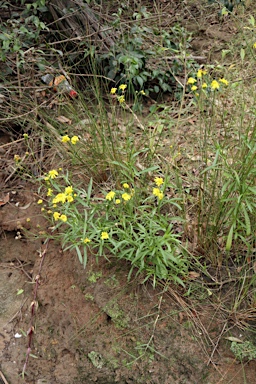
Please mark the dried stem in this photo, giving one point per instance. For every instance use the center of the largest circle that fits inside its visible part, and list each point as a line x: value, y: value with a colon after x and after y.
x: 33, y: 307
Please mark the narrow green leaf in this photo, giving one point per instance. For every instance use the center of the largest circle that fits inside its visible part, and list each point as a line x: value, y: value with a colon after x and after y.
x: 230, y: 238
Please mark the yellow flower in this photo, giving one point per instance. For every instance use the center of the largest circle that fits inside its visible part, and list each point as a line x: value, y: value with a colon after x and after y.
x: 69, y: 190
x: 104, y: 236
x: 126, y: 186
x: 65, y: 139
x: 28, y: 220
x: 142, y: 93
x: 56, y: 216
x: 200, y: 73
x: 113, y: 91
x: 110, y: 196
x: 215, y: 85
x: 122, y: 87
x: 121, y: 99
x: 126, y: 196
x: 74, y: 139
x: 52, y: 174
x: 193, y: 88
x: 63, y: 218
x: 25, y: 135
x: 86, y: 240
x: 46, y: 178
x: 49, y: 212
x: 160, y: 196
x: 223, y: 81
x: 204, y: 85
x: 69, y: 198
x: 59, y: 198
x: 191, y: 80
x: 42, y: 209
x: 118, y: 201
x: 159, y: 181
x: 49, y: 192
x: 40, y: 201
x: 158, y: 193
x: 254, y: 45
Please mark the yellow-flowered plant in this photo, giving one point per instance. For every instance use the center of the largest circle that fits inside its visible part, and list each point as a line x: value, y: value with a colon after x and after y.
x: 122, y: 87
x: 121, y: 99
x: 52, y: 174
x: 215, y: 85
x: 110, y: 195
x: 191, y: 80
x: 65, y: 139
x: 74, y: 140
x: 126, y: 223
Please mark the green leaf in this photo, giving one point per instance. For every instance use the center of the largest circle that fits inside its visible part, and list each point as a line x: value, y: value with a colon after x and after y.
x: 230, y: 238
x: 242, y: 54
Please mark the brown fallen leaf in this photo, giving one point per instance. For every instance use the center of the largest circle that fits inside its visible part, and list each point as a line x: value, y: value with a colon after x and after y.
x: 5, y: 200
x: 193, y: 275
x: 63, y: 119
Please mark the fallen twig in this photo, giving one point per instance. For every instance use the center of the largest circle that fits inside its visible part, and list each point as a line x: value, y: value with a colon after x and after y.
x: 3, y: 378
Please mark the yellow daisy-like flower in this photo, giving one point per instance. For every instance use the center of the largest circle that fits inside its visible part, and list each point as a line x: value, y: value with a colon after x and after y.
x: 69, y: 190
x: 126, y: 196
x: 86, y: 240
x: 56, y: 216
x: 40, y: 201
x: 113, y: 91
x: 160, y: 196
x: 74, y: 140
x: 69, y: 198
x: 28, y: 220
x: 65, y: 139
x: 110, y: 196
x: 118, y: 201
x: 126, y: 186
x: 159, y: 181
x: 49, y: 212
x: 104, y: 236
x: 63, y: 218
x: 60, y: 198
x: 49, y: 192
x: 42, y: 209
x: 193, y: 88
x: 158, y: 193
x: 143, y: 93
x: 122, y: 87
x: 52, y: 174
x: 121, y: 99
x: 204, y: 85
x: 200, y: 73
x: 191, y: 80
x: 223, y: 81
x: 25, y: 135
x: 254, y: 46
x: 215, y: 85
